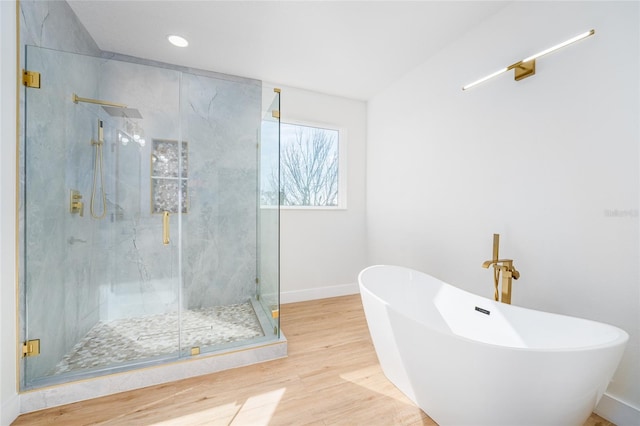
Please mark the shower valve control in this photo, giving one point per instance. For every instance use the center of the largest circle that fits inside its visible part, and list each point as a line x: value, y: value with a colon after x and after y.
x: 75, y: 205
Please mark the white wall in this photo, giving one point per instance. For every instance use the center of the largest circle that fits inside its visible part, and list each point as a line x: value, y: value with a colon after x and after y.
x: 9, y: 402
x: 322, y: 251
x: 550, y: 163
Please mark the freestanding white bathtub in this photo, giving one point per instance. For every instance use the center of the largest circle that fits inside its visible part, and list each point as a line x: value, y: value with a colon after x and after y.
x: 467, y: 360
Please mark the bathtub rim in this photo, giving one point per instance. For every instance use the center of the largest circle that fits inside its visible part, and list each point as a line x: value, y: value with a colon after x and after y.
x: 620, y: 340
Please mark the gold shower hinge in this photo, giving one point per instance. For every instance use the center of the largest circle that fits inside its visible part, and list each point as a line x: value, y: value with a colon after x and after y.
x: 275, y: 114
x: 31, y: 79
x: 31, y: 348
x: 195, y: 351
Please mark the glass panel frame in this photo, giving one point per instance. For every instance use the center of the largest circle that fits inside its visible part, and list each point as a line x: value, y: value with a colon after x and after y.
x: 268, y: 285
x: 83, y: 271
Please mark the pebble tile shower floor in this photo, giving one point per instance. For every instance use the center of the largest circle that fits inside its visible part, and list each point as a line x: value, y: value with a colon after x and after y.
x: 130, y: 339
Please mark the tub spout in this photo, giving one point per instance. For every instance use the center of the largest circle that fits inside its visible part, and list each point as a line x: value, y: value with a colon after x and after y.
x: 504, y: 265
x: 488, y: 263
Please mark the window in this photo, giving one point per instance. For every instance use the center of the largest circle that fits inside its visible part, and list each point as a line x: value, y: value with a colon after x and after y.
x: 311, y: 173
x: 312, y: 161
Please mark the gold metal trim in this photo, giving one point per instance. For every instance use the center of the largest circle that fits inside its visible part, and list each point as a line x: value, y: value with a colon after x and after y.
x: 17, y: 200
x: 504, y: 266
x: 523, y: 70
x: 31, y: 348
x: 165, y: 228
x: 275, y: 114
x: 31, y: 79
x: 496, y: 246
x: 75, y: 205
x: 195, y: 351
x: 75, y: 98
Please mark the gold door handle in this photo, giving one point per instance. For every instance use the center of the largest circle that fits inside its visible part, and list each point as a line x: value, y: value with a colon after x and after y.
x: 165, y: 228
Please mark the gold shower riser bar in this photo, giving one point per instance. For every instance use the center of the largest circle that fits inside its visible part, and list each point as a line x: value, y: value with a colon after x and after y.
x: 77, y: 99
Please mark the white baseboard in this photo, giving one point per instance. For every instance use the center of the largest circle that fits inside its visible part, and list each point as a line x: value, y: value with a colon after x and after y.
x: 318, y: 293
x: 9, y: 410
x: 617, y: 411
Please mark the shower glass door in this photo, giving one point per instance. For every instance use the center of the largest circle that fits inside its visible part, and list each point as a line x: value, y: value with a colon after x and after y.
x: 100, y: 286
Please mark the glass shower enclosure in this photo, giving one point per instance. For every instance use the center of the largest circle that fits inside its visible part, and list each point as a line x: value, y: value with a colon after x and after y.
x: 143, y: 234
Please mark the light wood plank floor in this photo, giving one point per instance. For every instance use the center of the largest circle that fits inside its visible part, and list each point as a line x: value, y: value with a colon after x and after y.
x: 331, y: 377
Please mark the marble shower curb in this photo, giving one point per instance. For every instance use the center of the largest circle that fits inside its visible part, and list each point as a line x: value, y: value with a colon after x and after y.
x: 121, y: 382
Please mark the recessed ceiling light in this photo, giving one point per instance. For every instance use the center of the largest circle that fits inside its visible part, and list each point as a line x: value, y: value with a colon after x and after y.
x: 176, y: 40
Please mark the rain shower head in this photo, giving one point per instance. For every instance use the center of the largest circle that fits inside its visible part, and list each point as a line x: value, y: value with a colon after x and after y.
x: 122, y: 112
x: 129, y: 130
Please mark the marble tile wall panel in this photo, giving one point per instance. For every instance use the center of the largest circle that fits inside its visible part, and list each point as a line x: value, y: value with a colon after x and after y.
x: 220, y: 120
x: 54, y: 25
x: 146, y: 271
x: 82, y: 233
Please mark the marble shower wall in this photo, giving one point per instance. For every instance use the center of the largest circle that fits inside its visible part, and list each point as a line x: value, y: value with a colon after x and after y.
x: 145, y: 272
x: 218, y: 121
x: 221, y: 120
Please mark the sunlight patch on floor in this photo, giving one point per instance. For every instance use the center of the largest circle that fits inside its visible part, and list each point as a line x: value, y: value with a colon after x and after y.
x: 373, y: 379
x: 220, y: 415
x: 257, y: 410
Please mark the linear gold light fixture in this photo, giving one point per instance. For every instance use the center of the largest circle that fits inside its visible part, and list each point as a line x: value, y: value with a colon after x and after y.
x: 527, y: 67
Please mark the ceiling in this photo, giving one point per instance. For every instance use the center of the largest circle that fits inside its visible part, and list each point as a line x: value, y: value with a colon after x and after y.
x: 346, y: 48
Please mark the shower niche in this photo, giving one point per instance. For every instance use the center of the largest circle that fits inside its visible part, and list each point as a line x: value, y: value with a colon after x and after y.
x: 171, y: 252
x: 169, y: 176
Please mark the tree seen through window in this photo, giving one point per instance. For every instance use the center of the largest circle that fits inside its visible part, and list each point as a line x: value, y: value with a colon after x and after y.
x: 308, y: 166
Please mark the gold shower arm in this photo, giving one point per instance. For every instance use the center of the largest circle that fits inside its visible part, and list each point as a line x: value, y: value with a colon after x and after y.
x: 165, y: 228
x: 77, y: 99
